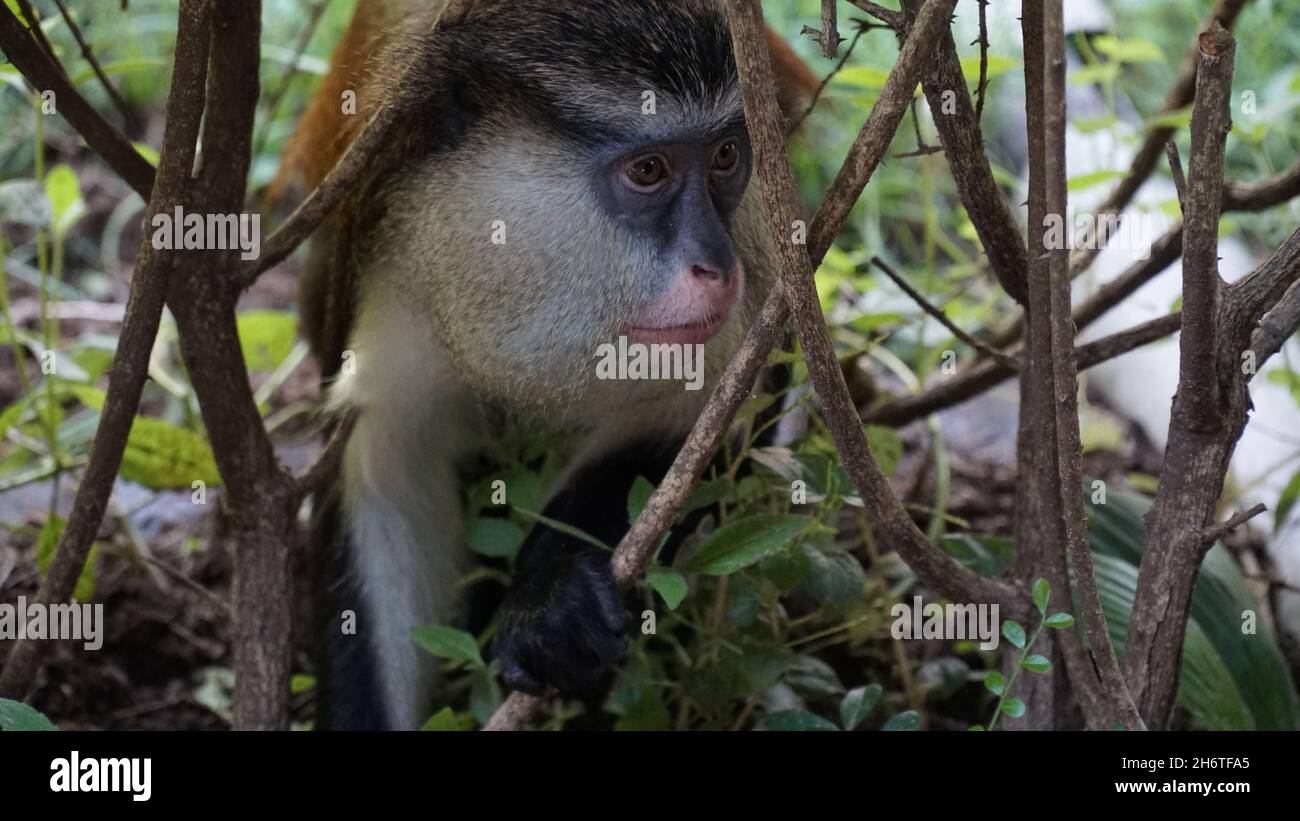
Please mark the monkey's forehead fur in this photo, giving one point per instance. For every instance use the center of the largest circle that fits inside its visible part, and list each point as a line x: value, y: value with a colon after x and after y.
x: 588, y: 68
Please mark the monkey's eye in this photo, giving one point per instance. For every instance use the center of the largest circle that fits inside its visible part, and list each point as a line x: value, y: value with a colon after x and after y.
x: 726, y: 158
x: 646, y: 173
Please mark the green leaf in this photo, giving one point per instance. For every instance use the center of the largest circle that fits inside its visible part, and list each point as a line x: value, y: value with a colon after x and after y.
x: 994, y: 682
x: 66, y: 204
x: 446, y: 720
x: 448, y: 643
x: 1128, y: 50
x: 1013, y: 707
x: 907, y: 720
x: 266, y: 338
x: 637, y: 498
x: 742, y: 542
x: 299, y: 684
x: 1284, y: 502
x: 797, y: 721
x: 1085, y: 181
x: 1231, y: 679
x: 976, y: 728
x: 886, y: 446
x: 1059, y: 621
x: 858, y: 704
x: 494, y: 537
x: 13, y: 6
x: 160, y: 455
x: 1042, y: 592
x: 1014, y: 633
x: 1036, y: 664
x: 16, y: 716
x: 669, y: 584
x: 10, y: 416
x: 46, y: 545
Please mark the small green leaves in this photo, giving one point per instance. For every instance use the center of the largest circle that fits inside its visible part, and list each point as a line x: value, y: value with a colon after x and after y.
x: 738, y: 544
x: 669, y: 584
x: 1059, y: 621
x: 1042, y: 592
x: 1014, y: 633
x: 14, y: 715
x: 1036, y: 664
x: 797, y: 720
x: 491, y: 536
x: 858, y: 704
x: 1014, y: 707
x: 994, y: 682
x: 448, y: 643
x: 907, y: 720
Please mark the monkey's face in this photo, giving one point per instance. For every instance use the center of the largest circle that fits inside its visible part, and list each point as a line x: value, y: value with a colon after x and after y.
x: 586, y: 179
x: 528, y: 256
x: 680, y: 198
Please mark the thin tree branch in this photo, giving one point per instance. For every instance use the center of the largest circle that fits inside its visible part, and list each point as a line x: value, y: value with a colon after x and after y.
x: 938, y: 314
x: 1218, y: 532
x: 956, y: 120
x: 1179, y: 96
x: 326, y: 465
x: 1176, y: 171
x: 153, y: 271
x: 863, y: 28
x: 45, y: 74
x: 89, y: 54
x: 985, y: 375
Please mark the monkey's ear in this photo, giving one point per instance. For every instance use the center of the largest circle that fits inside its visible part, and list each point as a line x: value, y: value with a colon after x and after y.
x: 795, y: 82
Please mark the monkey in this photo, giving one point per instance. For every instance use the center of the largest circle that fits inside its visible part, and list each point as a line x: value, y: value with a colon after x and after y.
x: 562, y: 175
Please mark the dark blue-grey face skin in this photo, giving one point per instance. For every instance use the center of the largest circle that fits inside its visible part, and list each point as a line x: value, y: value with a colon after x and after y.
x: 679, y: 195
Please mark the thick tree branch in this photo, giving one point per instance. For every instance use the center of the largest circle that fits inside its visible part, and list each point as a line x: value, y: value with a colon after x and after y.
x: 1209, y: 409
x: 1041, y: 529
x: 1065, y: 379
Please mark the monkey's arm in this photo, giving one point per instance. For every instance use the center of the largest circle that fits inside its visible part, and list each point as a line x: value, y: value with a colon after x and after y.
x: 563, y: 623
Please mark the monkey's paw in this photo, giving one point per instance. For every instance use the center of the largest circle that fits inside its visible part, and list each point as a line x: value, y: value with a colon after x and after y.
x: 563, y: 625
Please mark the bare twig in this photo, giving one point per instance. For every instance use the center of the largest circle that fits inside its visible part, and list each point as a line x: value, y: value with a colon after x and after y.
x: 829, y: 36
x: 988, y: 374
x: 1180, y: 95
x: 959, y: 131
x: 326, y: 465
x: 863, y: 28
x: 1176, y: 171
x: 1240, y: 518
x: 45, y: 74
x: 153, y: 271
x: 286, y: 79
x: 894, y: 19
x: 982, y: 89
x: 937, y: 313
x: 89, y: 54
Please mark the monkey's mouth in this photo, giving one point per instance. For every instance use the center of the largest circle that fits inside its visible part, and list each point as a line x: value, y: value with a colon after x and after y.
x: 693, y: 333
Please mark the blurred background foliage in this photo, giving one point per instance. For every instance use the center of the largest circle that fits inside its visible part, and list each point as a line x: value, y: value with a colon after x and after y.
x: 777, y: 611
